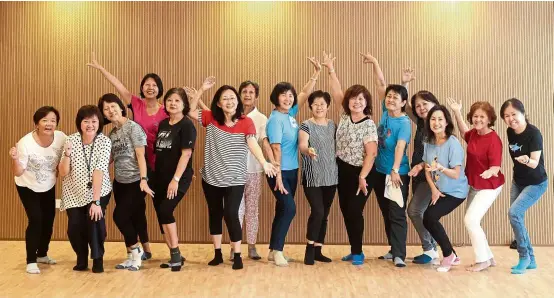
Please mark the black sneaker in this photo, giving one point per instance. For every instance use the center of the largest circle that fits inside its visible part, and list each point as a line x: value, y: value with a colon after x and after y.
x: 513, y: 245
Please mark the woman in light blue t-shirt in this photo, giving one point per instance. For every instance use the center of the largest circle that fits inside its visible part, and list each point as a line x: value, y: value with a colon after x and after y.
x: 443, y: 159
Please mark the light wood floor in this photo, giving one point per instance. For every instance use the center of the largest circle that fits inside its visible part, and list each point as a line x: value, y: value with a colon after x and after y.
x: 263, y: 279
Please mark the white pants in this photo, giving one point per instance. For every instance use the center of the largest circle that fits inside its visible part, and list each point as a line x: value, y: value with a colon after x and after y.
x: 479, y: 201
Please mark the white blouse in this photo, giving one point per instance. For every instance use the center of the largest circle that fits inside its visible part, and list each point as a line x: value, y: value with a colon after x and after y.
x: 40, y: 163
x: 75, y: 192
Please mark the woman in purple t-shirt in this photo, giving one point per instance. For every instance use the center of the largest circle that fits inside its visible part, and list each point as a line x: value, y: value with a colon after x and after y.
x: 148, y: 113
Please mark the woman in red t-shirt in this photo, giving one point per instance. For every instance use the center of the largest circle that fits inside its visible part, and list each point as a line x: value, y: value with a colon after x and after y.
x: 484, y: 158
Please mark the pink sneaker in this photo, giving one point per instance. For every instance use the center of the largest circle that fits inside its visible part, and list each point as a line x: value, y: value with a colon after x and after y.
x: 447, y: 262
x: 457, y: 261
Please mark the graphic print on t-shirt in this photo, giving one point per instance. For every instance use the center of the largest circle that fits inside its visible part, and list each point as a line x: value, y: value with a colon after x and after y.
x: 119, y: 146
x: 164, y: 140
x: 515, y: 147
x: 383, y: 133
x: 41, y: 165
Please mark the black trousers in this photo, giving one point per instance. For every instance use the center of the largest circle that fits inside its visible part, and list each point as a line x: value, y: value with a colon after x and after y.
x: 129, y: 213
x: 40, y: 208
x: 320, y: 200
x: 84, y: 232
x: 431, y: 221
x: 224, y: 203
x: 396, y: 224
x: 163, y: 206
x: 352, y: 205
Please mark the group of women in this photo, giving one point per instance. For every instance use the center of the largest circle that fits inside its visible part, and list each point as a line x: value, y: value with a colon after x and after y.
x: 152, y: 154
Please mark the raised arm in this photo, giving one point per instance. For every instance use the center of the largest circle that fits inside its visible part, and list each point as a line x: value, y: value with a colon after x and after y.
x: 194, y: 97
x: 334, y: 84
x: 380, y: 82
x: 408, y: 76
x: 309, y: 86
x: 121, y: 89
x: 457, y: 110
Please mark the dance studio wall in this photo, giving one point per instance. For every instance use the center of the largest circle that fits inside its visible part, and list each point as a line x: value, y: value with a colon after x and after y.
x: 469, y: 51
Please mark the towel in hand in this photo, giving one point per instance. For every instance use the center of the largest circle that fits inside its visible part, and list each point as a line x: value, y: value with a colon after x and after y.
x: 393, y: 193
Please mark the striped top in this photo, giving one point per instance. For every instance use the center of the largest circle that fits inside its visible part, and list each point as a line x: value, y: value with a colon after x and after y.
x: 225, y: 150
x: 321, y: 171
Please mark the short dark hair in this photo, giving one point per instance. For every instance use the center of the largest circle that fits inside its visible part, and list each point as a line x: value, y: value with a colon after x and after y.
x: 158, y: 81
x: 217, y: 112
x: 354, y: 91
x: 89, y: 111
x: 319, y: 94
x: 281, y: 88
x: 254, y: 84
x: 426, y: 96
x: 183, y: 94
x: 516, y: 104
x: 430, y: 135
x: 399, y: 89
x: 43, y: 112
x: 486, y: 107
x: 110, y: 98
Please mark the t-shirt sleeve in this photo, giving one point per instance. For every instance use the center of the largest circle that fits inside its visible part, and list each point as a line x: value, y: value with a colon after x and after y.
x: 425, y: 153
x: 137, y: 104
x: 205, y: 117
x: 262, y: 132
x: 103, y: 155
x: 274, y: 131
x: 188, y: 135
x: 536, y: 141
x: 249, y: 128
x: 305, y: 128
x: 405, y: 132
x: 495, y: 152
x: 370, y: 132
x: 138, y: 136
x: 293, y: 111
x: 455, y: 154
x: 383, y: 106
x: 468, y: 134
x: 23, y: 154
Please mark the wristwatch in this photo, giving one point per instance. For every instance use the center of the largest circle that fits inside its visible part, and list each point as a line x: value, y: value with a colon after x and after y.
x: 397, y: 171
x: 176, y: 179
x: 144, y: 178
x: 97, y: 202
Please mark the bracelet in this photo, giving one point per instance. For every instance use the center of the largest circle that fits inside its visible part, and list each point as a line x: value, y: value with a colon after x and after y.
x: 528, y: 160
x: 331, y: 70
x: 176, y: 179
x: 313, y: 79
x: 362, y: 177
x: 67, y: 155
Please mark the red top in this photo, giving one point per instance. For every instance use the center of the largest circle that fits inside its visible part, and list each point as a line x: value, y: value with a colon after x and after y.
x: 150, y: 125
x: 483, y: 152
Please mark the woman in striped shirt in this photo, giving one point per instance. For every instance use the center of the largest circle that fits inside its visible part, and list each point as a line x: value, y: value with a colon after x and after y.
x: 229, y: 136
x: 316, y: 141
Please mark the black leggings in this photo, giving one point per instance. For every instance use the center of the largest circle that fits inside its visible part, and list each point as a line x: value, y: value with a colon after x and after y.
x: 352, y: 204
x: 41, y: 210
x: 224, y: 202
x: 83, y: 232
x: 320, y: 200
x: 431, y: 221
x: 129, y: 213
x: 164, y: 207
x: 396, y: 224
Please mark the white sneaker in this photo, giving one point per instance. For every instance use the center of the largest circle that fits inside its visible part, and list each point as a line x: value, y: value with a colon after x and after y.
x: 136, y: 258
x: 127, y: 263
x: 280, y: 259
x: 32, y: 268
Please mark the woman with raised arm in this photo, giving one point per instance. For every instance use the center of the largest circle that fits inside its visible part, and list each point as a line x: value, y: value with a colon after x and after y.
x: 316, y: 142
x: 484, y: 159
x: 229, y: 136
x: 282, y: 133
x: 392, y: 166
x: 421, y: 103
x: 174, y: 147
x: 530, y: 179
x: 86, y: 188
x: 443, y: 159
x: 35, y: 160
x: 130, y: 182
x: 148, y: 113
x: 356, y: 149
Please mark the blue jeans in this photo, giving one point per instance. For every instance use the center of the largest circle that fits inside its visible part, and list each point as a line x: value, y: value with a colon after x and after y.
x: 521, y: 199
x: 285, y: 208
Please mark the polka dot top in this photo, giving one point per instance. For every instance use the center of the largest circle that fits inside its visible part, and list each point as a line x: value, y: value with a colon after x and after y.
x: 75, y: 192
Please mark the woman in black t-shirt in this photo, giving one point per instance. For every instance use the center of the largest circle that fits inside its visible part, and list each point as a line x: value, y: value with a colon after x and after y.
x: 530, y: 179
x: 173, y: 148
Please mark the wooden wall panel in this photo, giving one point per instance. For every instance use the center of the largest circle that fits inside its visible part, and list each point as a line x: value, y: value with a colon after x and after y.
x: 470, y: 51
